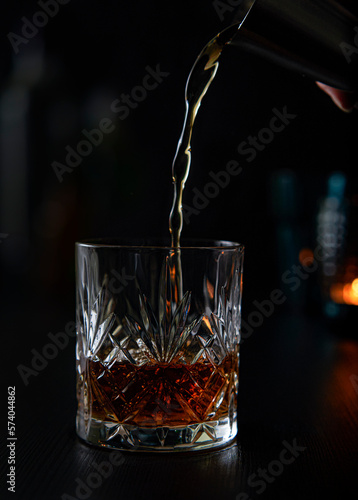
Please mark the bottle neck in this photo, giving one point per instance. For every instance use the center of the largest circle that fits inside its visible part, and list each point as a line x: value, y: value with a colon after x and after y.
x: 317, y: 38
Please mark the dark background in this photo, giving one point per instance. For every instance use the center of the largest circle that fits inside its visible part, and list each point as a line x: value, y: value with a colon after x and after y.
x: 64, y: 80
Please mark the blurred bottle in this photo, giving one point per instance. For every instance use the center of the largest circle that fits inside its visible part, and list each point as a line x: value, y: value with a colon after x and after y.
x: 286, y: 208
x: 337, y: 241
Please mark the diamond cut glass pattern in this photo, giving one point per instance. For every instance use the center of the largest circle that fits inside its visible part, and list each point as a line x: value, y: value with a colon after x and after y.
x: 157, y: 358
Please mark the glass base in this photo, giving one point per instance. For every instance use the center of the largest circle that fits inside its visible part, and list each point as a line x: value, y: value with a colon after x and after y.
x: 199, y: 436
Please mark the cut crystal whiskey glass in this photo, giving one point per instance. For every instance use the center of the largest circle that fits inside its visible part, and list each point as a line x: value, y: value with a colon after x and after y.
x: 158, y: 331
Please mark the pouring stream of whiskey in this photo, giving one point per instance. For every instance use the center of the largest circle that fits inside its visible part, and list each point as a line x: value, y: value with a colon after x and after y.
x: 199, y: 80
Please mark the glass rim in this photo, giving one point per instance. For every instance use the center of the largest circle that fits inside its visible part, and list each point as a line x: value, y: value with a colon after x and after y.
x: 153, y: 244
